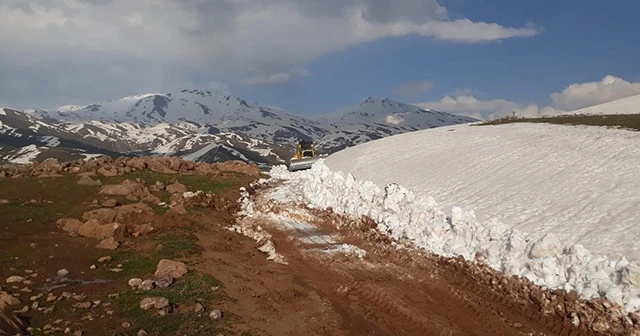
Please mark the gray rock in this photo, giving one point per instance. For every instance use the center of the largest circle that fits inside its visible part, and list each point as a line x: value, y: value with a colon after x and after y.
x: 215, y: 314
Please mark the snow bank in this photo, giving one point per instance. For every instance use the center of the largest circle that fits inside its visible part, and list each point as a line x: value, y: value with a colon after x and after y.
x: 405, y: 216
x: 579, y: 182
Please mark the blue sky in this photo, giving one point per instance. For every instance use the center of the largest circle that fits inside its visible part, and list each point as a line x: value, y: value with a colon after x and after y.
x: 581, y: 41
x: 482, y: 58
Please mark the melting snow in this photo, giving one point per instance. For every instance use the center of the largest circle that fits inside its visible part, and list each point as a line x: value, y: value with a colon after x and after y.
x: 24, y: 155
x: 50, y: 141
x: 403, y: 215
x: 581, y: 183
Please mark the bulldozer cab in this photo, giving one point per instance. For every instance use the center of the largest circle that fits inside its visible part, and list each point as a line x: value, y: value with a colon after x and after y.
x: 305, y: 149
x: 304, y: 157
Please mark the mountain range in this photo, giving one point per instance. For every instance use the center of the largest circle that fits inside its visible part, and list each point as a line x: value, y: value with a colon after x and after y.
x: 200, y: 126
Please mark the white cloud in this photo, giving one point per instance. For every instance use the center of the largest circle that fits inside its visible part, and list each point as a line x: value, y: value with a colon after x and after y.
x: 574, y: 96
x: 610, y: 88
x: 160, y: 42
x: 485, y: 109
x: 413, y: 88
x: 394, y: 119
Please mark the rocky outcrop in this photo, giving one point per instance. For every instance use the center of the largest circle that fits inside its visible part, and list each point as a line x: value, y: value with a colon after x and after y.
x: 106, y: 166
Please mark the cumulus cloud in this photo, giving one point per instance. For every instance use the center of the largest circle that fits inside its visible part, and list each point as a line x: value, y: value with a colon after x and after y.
x: 576, y: 96
x: 573, y: 97
x: 486, y: 109
x: 84, y: 48
x: 413, y: 88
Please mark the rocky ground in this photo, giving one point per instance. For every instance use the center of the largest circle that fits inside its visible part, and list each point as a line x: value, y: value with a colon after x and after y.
x: 161, y: 246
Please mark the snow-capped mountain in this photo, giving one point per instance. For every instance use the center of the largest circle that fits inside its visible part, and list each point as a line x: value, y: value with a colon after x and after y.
x: 201, y: 125
x: 377, y: 118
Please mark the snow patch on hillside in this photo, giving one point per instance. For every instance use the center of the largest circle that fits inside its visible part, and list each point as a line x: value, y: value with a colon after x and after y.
x: 24, y: 155
x: 50, y: 141
x: 629, y: 105
x: 405, y: 216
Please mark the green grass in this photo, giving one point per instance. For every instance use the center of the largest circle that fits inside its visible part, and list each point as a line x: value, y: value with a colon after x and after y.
x: 178, y: 245
x: 625, y: 121
x: 186, y: 291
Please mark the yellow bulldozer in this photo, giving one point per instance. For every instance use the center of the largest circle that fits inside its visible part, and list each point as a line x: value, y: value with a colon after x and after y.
x: 304, y: 157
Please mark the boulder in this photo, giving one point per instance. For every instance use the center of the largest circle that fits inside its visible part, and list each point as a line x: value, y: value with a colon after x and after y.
x: 173, y: 268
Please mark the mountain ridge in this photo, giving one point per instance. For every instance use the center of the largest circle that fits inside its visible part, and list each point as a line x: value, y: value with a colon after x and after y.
x: 190, y: 121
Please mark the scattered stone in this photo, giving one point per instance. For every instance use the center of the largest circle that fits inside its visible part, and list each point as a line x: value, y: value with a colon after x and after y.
x: 157, y: 186
x: 178, y: 209
x: 173, y: 268
x: 141, y: 230
x: 105, y: 259
x: 176, y: 187
x: 77, y: 297
x: 7, y: 299
x: 135, y: 282
x: 108, y: 171
x: 156, y: 302
x: 93, y: 267
x: 4, y: 201
x: 127, y: 187
x: 15, y: 279
x: 63, y: 273
x: 147, y: 285
x: 83, y: 305
x: 78, y: 333
x: 51, y: 297
x: 28, y: 271
x: 198, y: 308
x: 116, y: 270
x: 67, y: 330
x: 109, y: 203
x: 26, y: 290
x: 164, y: 281
x: 125, y: 325
x: 108, y: 244
x: 28, y: 282
x: 215, y: 314
x: 142, y: 333
x: 86, y: 180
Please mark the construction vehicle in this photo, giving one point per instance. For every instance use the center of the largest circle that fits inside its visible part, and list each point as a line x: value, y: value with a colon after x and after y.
x: 304, y: 157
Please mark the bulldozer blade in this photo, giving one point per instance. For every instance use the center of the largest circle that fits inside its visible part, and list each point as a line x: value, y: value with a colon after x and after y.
x: 302, y: 164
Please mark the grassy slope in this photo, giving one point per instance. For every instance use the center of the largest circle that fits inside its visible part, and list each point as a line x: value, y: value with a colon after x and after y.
x: 29, y: 239
x: 626, y: 121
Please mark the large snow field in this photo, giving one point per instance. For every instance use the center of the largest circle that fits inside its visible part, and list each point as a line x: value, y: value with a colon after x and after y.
x: 580, y: 182
x: 628, y: 105
x: 551, y: 186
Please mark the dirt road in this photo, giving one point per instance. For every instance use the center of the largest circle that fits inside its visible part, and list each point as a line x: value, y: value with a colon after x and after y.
x: 328, y: 275
x: 351, y: 281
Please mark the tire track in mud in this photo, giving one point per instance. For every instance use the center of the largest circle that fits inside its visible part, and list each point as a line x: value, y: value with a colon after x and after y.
x: 386, y: 302
x: 405, y: 292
